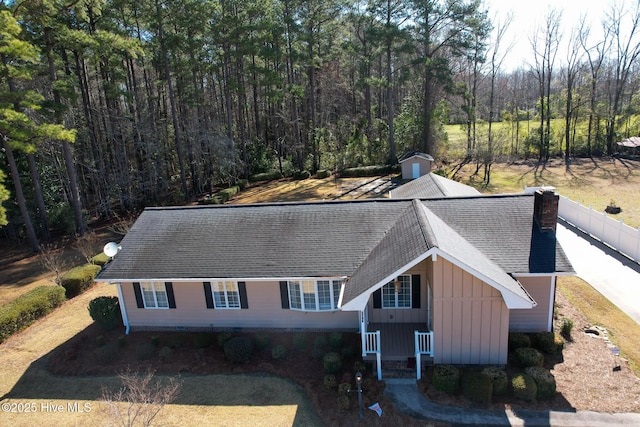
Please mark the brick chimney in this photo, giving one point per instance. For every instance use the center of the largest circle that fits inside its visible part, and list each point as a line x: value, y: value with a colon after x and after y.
x: 545, y: 208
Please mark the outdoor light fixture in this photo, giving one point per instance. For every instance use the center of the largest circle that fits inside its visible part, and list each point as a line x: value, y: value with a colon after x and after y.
x: 396, y: 285
x: 359, y: 383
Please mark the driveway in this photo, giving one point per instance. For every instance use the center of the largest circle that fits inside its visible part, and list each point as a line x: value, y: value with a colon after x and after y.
x: 613, y: 275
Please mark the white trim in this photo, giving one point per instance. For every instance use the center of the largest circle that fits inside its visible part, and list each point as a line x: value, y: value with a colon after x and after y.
x: 123, y: 309
x: 226, y: 294
x: 155, y: 295
x: 552, y: 300
x: 543, y: 274
x: 335, y: 304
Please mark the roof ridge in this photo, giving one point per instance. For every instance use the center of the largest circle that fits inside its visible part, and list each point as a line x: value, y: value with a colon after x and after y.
x: 436, y: 180
x: 425, y: 227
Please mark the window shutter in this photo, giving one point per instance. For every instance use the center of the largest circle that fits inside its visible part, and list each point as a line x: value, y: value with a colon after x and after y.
x: 242, y: 290
x: 415, y: 291
x: 284, y: 294
x: 170, y: 297
x: 138, y: 292
x: 377, y: 298
x: 208, y: 296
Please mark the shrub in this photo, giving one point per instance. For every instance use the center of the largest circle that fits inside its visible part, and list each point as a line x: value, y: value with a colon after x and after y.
x: 223, y: 337
x: 299, y: 341
x: 528, y: 356
x: 348, y: 352
x: 238, y: 349
x: 365, y: 171
x: 545, y: 382
x: 267, y: 176
x: 106, y: 354
x: 524, y: 387
x: 78, y: 279
x: 344, y: 388
x: 279, y: 352
x: 330, y: 381
x: 242, y: 183
x: 323, y: 173
x: 145, y: 351
x: 165, y: 354
x: 27, y: 308
x: 263, y: 340
x: 498, y: 378
x: 549, y: 342
x: 300, y: 175
x: 566, y: 328
x: 446, y: 378
x: 100, y: 259
x: 105, y: 311
x: 335, y: 340
x: 175, y: 341
x: 343, y: 402
x: 203, y: 340
x: 518, y: 340
x: 317, y: 353
x: 100, y: 341
x: 155, y: 341
x: 320, y: 341
x: 477, y: 387
x: 228, y: 193
x: 332, y: 363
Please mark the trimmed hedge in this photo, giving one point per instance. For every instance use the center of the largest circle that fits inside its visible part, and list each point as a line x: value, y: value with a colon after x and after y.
x: 545, y: 382
x: 323, y: 173
x: 365, y: 171
x: 446, y: 378
x: 528, y: 356
x: 549, y: 342
x: 267, y: 176
x: 105, y: 311
x: 100, y: 259
x: 524, y: 387
x: 78, y: 279
x: 228, y: 193
x: 300, y: 175
x: 477, y: 386
x: 29, y: 307
x: 498, y: 378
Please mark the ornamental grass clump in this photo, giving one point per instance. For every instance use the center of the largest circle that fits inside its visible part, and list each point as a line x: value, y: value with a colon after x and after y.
x: 446, y: 378
x: 524, y: 387
x: 529, y: 357
x: 545, y: 382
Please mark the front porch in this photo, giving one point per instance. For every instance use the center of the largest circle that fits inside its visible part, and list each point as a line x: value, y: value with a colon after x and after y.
x: 407, y: 344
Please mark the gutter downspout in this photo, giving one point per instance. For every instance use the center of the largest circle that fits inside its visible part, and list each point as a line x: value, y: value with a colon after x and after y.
x: 123, y: 309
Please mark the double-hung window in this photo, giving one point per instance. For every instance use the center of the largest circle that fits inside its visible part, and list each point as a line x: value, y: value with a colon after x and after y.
x: 314, y: 295
x: 154, y: 295
x: 401, y: 298
x: 225, y: 294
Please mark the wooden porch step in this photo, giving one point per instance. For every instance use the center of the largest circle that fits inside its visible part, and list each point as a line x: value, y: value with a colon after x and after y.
x: 402, y: 368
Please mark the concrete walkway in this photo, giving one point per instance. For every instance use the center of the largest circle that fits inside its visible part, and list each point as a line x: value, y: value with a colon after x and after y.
x: 406, y: 398
x: 613, y: 275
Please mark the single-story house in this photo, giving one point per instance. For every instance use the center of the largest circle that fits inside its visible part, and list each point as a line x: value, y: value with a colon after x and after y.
x: 415, y: 164
x: 448, y: 278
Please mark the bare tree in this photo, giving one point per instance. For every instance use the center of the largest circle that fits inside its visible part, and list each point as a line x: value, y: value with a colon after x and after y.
x: 51, y: 259
x: 545, y: 44
x: 140, y: 398
x: 86, y: 245
x: 571, y: 71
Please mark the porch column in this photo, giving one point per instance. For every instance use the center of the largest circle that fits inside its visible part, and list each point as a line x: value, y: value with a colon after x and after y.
x: 363, y: 331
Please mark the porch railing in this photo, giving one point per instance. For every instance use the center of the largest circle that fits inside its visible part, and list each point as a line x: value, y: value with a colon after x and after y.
x: 424, y: 345
x: 372, y: 345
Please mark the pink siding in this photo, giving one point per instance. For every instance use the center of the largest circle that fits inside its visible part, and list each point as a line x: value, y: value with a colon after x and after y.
x: 538, y: 318
x: 470, y: 319
x: 265, y: 311
x: 404, y: 315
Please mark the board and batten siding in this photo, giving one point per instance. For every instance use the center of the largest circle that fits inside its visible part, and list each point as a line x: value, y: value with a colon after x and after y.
x: 538, y: 318
x: 470, y: 318
x: 264, y: 311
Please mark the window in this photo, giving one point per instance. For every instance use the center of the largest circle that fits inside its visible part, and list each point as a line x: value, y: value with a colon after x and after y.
x: 314, y: 295
x: 400, y: 299
x: 154, y: 295
x: 225, y: 294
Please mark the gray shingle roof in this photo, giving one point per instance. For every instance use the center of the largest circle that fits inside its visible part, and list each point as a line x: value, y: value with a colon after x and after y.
x: 365, y: 240
x: 412, y: 154
x: 431, y: 186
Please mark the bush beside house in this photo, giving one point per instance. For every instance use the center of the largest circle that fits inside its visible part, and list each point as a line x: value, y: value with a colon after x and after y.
x: 78, y: 279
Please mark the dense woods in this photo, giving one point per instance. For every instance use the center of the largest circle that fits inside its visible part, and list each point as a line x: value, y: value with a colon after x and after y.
x: 107, y: 106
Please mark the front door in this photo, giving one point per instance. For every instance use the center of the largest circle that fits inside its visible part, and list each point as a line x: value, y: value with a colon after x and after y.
x: 415, y: 170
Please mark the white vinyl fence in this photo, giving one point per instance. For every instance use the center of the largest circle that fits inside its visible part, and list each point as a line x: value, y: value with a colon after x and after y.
x: 614, y: 233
